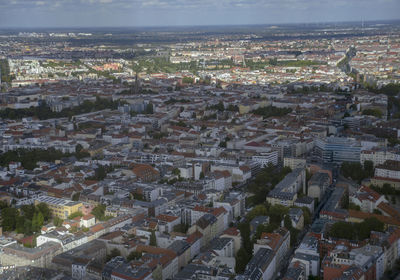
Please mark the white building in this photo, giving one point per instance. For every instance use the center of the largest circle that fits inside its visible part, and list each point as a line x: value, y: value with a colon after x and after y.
x: 378, y: 156
x: 308, y: 254
x: 264, y: 159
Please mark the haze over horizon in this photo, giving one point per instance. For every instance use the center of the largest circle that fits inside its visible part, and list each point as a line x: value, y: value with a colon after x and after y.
x: 139, y: 13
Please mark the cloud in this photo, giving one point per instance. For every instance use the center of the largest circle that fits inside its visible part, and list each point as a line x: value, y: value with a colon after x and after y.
x: 189, y: 12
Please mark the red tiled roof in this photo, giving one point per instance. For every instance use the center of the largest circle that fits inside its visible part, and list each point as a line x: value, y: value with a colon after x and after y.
x: 384, y: 219
x: 88, y: 217
x: 96, y: 228
x: 219, y: 211
x: 232, y: 231
x: 166, y: 218
x: 371, y: 192
x: 200, y: 208
x: 385, y: 207
x: 194, y: 237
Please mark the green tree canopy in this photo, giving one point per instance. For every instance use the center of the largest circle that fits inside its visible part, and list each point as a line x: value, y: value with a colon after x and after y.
x: 357, y: 231
x: 271, y: 111
x: 75, y: 214
x: 153, y: 239
x: 9, y: 218
x: 135, y: 255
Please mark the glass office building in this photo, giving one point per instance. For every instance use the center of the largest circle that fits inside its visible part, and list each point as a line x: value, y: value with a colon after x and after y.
x: 338, y: 150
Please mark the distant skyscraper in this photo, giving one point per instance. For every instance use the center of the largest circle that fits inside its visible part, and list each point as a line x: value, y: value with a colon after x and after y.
x: 136, y: 87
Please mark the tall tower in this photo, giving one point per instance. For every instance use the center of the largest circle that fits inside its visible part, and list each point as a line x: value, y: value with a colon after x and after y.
x: 137, y: 84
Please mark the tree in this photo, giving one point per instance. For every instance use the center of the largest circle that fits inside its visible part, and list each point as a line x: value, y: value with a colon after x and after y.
x: 20, y: 224
x: 342, y: 230
x: 78, y: 148
x: 232, y: 108
x: 287, y: 222
x: 176, y: 172
x: 57, y: 221
x: 99, y: 211
x: 113, y: 253
x: 187, y: 80
x: 369, y: 168
x: 35, y: 223
x: 30, y: 157
x: 201, y: 176
x: 44, y: 112
x: 265, y: 181
x: 153, y: 239
x: 75, y: 214
x: 277, y: 213
x: 76, y: 196
x: 242, y: 259
x: 28, y: 211
x: 388, y: 189
x: 372, y: 112
x: 40, y: 219
x: 358, y: 231
x: 307, y: 215
x: 265, y: 228
x: 370, y: 224
x: 9, y: 218
x: 259, y: 210
x: 377, y: 211
x: 294, y: 232
x: 356, y: 171
x: 354, y: 206
x: 138, y: 196
x: 244, y: 229
x: 27, y: 227
x: 45, y: 210
x: 149, y: 109
x: 73, y: 229
x: 100, y: 173
x: 181, y: 228
x: 135, y: 255
x: 271, y: 111
x: 219, y: 107
x: 312, y: 277
x: 3, y: 205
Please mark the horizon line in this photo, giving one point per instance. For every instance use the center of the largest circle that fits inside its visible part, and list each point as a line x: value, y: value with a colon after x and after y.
x: 203, y: 25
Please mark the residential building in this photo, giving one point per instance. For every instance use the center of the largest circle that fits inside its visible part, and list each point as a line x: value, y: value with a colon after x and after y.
x: 261, y: 266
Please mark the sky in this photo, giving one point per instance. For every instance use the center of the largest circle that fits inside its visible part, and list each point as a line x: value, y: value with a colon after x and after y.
x: 114, y: 13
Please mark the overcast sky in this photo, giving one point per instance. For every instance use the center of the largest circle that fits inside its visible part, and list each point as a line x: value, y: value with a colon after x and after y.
x: 92, y: 13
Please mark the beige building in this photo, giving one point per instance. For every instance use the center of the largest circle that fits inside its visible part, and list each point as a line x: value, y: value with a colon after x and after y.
x: 378, y: 156
x: 40, y: 256
x: 59, y: 207
x: 207, y: 226
x: 294, y: 163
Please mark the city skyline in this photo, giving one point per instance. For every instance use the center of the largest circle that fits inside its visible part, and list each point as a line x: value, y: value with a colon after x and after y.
x: 199, y: 140
x: 118, y: 13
